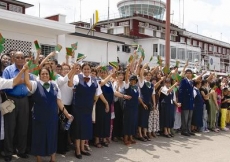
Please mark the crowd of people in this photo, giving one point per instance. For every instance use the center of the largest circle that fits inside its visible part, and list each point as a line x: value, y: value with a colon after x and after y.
x: 102, y: 103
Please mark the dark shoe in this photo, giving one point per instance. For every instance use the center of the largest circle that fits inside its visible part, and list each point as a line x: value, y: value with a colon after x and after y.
x: 185, y: 134
x: 85, y: 153
x: 98, y: 145
x: 24, y: 156
x: 105, y: 144
x: 142, y: 139
x: 61, y: 152
x: 8, y: 158
x: 115, y: 139
x: 147, y: 138
x: 171, y: 135
x: 77, y: 156
x: 191, y: 133
x: 167, y: 136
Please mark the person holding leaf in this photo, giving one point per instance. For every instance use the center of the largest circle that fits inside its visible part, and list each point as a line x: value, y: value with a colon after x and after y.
x: 147, y: 102
x: 167, y: 102
x: 103, y: 116
x: 85, y: 88
x: 130, y: 108
x: 47, y: 100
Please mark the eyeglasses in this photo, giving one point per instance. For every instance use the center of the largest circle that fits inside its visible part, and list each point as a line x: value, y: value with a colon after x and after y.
x: 22, y: 58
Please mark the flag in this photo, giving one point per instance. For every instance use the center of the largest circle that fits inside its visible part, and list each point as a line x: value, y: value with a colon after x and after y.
x: 177, y: 63
x: 74, y: 46
x: 96, y: 17
x: 151, y: 58
x: 130, y: 59
x: 80, y: 56
x: 58, y: 48
x: 69, y: 51
x: 103, y: 68
x: 166, y: 70
x: 143, y: 53
x: 36, y: 45
x: 1, y: 48
x: 159, y: 61
x: 34, y: 68
x: 114, y: 64
x: 52, y: 75
x: 208, y: 66
x: 2, y: 39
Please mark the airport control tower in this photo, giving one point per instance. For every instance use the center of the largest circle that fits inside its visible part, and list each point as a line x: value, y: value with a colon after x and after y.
x: 152, y: 8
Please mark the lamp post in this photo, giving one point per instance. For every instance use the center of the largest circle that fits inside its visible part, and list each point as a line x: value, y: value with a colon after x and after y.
x: 167, y: 34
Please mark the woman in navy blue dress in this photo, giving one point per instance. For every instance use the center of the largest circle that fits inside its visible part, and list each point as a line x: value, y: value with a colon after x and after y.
x: 167, y: 107
x: 147, y: 98
x: 197, y: 118
x: 130, y: 108
x: 103, y: 116
x: 47, y: 99
x: 85, y: 89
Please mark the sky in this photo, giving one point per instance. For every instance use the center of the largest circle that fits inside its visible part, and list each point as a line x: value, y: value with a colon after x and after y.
x: 207, y: 17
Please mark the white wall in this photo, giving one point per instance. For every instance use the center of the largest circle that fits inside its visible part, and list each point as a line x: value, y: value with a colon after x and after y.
x: 118, y: 30
x: 96, y: 50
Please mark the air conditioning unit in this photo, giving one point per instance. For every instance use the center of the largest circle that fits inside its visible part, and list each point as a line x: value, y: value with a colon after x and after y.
x: 112, y: 24
x: 121, y: 24
x: 146, y: 25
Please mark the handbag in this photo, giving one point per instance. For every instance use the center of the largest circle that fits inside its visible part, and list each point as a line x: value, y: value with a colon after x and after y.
x: 7, y: 106
x: 62, y: 120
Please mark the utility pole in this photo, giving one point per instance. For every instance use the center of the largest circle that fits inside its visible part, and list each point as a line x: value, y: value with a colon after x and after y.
x: 108, y: 10
x: 167, y: 34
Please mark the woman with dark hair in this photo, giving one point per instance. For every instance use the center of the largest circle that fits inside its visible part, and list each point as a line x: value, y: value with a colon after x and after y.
x: 218, y: 91
x: 147, y: 102
x: 85, y: 89
x: 130, y: 108
x: 119, y: 85
x: 167, y: 107
x: 47, y: 100
x: 197, y: 118
x: 5, y: 61
x: 214, y: 107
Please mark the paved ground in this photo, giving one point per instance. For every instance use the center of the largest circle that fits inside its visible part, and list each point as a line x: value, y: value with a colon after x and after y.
x: 206, y: 147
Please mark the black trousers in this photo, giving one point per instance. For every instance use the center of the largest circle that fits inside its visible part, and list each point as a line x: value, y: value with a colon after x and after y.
x: 16, y: 126
x: 186, y: 120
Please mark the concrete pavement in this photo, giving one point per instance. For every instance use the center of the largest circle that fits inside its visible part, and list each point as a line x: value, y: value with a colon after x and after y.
x: 204, y: 147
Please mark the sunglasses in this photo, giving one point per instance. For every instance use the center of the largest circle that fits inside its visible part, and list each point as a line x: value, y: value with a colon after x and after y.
x: 22, y: 58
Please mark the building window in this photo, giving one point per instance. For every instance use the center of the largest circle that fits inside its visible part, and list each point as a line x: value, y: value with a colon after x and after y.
x: 154, y: 33
x: 215, y: 49
x: 141, y: 30
x: 224, y: 50
x: 162, y: 50
x: 173, y: 52
x: 188, y: 41
x: 3, y: 5
x: 210, y: 48
x: 182, y: 39
x: 110, y: 31
x: 181, y: 54
x: 155, y: 49
x: 219, y: 49
x: 200, y: 44
x: 118, y: 48
x: 162, y: 35
x: 205, y: 46
x: 194, y: 43
x: 127, y: 30
x: 15, y: 8
x: 190, y: 55
x: 47, y: 49
x: 126, y: 49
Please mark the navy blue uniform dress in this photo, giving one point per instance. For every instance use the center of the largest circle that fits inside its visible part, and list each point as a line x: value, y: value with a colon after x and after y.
x: 167, y: 110
x: 44, y: 121
x: 197, y: 118
x: 83, y: 100
x: 102, y: 125
x: 131, y: 111
x: 146, y: 95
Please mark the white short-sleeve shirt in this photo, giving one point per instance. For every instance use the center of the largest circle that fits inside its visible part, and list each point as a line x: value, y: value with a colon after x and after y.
x: 89, y: 83
x: 34, y: 87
